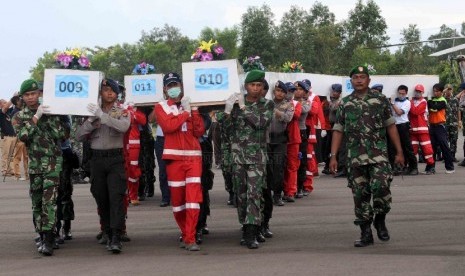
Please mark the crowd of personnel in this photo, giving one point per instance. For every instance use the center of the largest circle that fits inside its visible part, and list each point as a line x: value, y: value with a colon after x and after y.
x: 268, y: 143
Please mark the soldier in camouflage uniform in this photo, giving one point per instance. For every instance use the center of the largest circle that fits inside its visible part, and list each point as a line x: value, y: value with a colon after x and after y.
x: 42, y: 135
x: 461, y: 124
x: 226, y: 158
x: 248, y: 145
x: 364, y: 118
x: 452, y: 120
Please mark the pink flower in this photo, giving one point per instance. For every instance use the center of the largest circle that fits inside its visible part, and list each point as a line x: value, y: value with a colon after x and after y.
x: 84, y: 61
x: 65, y: 60
x: 219, y: 50
x: 206, y: 57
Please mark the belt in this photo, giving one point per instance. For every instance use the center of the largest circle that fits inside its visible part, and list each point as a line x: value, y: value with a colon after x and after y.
x: 107, y: 153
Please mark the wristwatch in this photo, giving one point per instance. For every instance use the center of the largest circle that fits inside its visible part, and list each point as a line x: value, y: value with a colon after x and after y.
x: 332, y: 154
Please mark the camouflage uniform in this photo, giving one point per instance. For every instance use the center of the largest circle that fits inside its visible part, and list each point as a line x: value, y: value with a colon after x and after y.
x: 43, y: 146
x: 226, y: 158
x: 363, y: 123
x: 452, y: 121
x: 248, y: 145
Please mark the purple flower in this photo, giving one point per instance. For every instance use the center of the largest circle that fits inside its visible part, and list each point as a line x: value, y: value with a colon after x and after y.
x: 143, y: 65
x: 219, y: 50
x: 65, y: 60
x: 206, y: 57
x: 84, y: 61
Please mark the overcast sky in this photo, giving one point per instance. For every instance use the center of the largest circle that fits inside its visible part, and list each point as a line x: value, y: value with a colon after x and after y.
x: 30, y: 28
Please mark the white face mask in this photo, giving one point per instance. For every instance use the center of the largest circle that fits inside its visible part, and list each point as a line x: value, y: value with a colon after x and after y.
x: 174, y: 92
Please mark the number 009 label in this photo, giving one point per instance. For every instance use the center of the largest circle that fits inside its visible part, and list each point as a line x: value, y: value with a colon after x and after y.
x: 211, y: 79
x: 72, y: 86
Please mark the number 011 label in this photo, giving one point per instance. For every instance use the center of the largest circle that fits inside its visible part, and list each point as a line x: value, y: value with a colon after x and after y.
x: 72, y: 86
x: 143, y: 87
x: 211, y: 79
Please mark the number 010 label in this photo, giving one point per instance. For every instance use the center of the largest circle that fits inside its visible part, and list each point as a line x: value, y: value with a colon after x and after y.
x: 211, y: 79
x: 72, y: 86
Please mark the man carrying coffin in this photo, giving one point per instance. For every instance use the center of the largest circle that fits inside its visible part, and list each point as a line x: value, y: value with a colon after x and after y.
x: 182, y: 127
x: 42, y: 135
x: 249, y: 126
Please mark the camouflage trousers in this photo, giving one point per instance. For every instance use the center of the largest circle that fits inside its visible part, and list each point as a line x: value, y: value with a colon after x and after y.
x: 43, y: 192
x: 453, y: 136
x: 248, y: 182
x: 369, y: 181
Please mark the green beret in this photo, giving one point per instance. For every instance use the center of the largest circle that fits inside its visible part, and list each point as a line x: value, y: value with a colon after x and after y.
x: 255, y: 75
x: 28, y: 85
x: 359, y: 70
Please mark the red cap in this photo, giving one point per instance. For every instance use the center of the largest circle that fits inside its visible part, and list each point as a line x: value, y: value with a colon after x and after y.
x: 419, y: 87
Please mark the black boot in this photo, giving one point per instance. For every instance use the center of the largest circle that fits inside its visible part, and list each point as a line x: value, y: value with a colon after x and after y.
x: 380, y: 227
x: 266, y: 230
x: 116, y: 246
x: 260, y: 237
x: 243, y: 235
x: 199, y: 237
x: 40, y: 242
x: 251, y: 236
x: 49, y: 241
x: 67, y: 230
x: 366, y: 237
x: 231, y: 198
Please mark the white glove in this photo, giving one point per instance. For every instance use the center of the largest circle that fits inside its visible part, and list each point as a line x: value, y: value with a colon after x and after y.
x: 186, y: 104
x: 95, y: 109
x: 230, y: 103
x: 323, y: 133
x: 41, y: 110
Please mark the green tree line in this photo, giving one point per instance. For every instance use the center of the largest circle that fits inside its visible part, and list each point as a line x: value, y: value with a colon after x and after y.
x: 312, y: 37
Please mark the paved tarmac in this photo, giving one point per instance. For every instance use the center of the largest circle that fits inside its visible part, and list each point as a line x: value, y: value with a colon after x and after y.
x: 313, y: 236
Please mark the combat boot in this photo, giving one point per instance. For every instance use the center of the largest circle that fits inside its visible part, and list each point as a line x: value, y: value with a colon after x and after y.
x: 366, y: 237
x: 49, y: 241
x: 251, y: 236
x: 40, y: 242
x: 380, y: 227
x: 116, y: 246
x: 260, y: 237
x: 265, y: 228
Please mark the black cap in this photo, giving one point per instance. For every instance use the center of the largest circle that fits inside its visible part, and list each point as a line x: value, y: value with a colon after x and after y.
x: 336, y: 87
x: 112, y: 83
x: 462, y: 86
x: 290, y: 87
x: 171, y: 77
x: 281, y: 85
x: 304, y: 85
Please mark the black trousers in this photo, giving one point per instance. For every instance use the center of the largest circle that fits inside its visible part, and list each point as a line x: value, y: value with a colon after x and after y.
x: 65, y: 205
x: 206, y: 180
x: 108, y: 186
x: 406, y: 144
x: 275, y: 167
x: 438, y: 135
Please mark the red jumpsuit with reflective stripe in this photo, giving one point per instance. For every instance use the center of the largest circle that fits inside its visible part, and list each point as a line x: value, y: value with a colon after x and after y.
x: 293, y: 162
x: 183, y: 157
x: 419, y: 131
x: 311, y: 122
x: 132, y: 150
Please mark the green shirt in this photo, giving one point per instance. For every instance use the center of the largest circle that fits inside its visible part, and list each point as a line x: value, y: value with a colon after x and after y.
x: 363, y: 122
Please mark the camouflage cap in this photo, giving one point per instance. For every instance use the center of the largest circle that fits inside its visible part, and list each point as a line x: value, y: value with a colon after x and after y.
x: 359, y: 70
x: 28, y: 85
